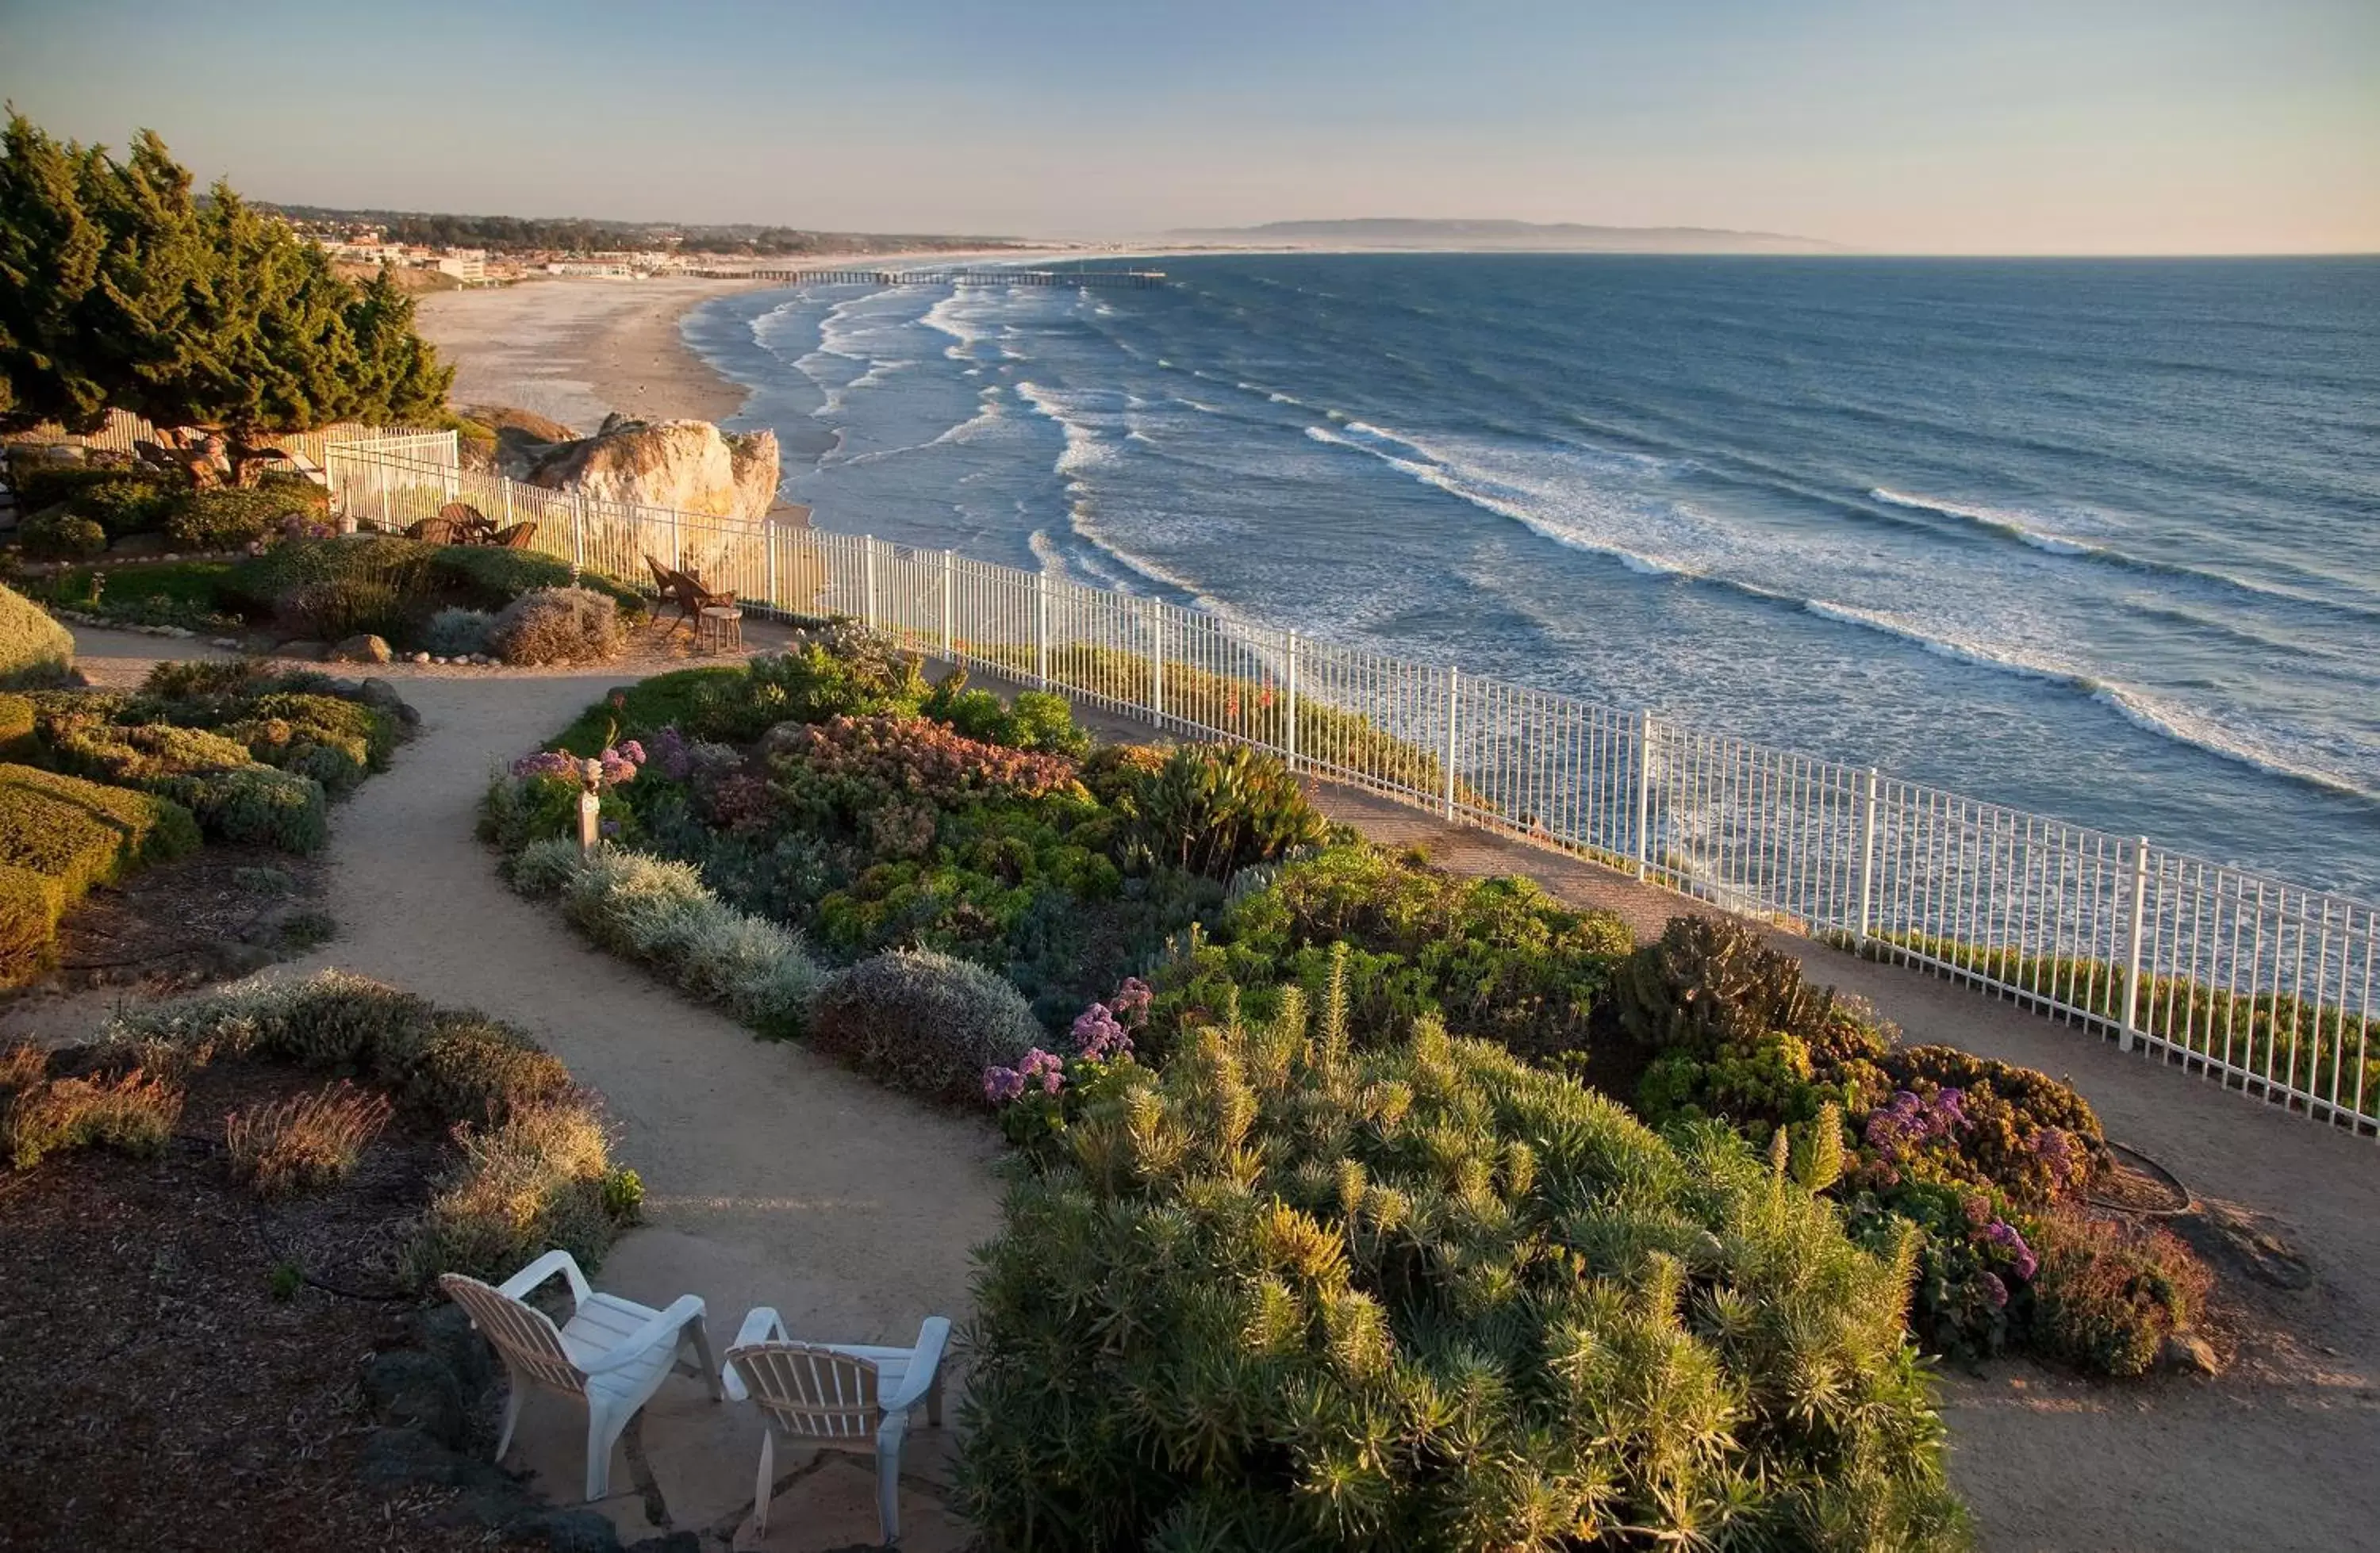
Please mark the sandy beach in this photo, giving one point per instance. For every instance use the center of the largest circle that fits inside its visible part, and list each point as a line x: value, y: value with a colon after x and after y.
x: 576, y: 349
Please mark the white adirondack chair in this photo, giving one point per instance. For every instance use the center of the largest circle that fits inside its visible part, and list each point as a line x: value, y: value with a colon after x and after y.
x: 612, y: 1355
x: 837, y: 1397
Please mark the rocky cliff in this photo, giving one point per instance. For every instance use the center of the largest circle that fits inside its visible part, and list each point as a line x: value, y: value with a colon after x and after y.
x: 688, y: 465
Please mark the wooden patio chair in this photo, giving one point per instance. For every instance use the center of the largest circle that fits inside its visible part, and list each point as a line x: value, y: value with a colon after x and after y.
x: 433, y: 531
x: 612, y: 1355
x: 515, y: 538
x: 836, y: 1397
x: 686, y: 589
x: 471, y: 525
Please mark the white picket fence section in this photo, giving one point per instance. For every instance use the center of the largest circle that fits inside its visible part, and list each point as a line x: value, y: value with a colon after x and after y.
x: 2261, y: 985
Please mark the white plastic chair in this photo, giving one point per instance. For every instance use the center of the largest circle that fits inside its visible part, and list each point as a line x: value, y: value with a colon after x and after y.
x: 612, y: 1355
x: 837, y: 1397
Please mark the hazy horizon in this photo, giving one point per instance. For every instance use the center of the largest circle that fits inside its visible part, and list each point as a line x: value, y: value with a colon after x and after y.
x: 2190, y: 127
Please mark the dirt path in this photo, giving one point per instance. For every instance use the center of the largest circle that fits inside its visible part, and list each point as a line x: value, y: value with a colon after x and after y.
x: 776, y: 1178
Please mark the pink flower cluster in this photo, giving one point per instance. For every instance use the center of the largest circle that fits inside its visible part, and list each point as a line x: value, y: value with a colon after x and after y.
x: 1045, y: 1070
x: 616, y: 765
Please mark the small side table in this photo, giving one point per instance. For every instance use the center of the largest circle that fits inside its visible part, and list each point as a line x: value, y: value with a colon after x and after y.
x: 718, y: 628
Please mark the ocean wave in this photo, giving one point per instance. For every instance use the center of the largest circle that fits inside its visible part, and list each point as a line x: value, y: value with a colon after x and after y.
x: 2013, y: 522
x: 1085, y: 448
x: 2201, y: 733
x: 944, y: 317
x: 1981, y: 655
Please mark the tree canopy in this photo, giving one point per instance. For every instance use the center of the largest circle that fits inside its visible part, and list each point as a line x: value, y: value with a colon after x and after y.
x: 119, y: 287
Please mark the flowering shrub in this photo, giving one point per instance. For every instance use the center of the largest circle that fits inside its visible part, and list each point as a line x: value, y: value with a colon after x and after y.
x: 557, y: 625
x: 616, y: 767
x: 2107, y: 1295
x: 1048, y: 1083
x: 850, y: 762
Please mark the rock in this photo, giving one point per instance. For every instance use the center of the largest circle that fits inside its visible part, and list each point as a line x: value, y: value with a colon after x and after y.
x: 690, y: 466
x: 421, y: 658
x: 362, y: 648
x: 313, y: 650
x: 131, y: 546
x: 382, y: 694
x: 780, y: 739
x: 2187, y: 1351
x: 445, y: 1334
x: 230, y: 644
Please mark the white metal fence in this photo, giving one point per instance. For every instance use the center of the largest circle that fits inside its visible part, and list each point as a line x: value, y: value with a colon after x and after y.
x: 2264, y: 985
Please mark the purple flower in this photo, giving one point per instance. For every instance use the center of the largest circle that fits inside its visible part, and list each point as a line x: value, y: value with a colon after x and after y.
x: 2005, y: 1236
x: 1002, y: 1085
x: 1994, y: 1290
x: 546, y: 763
x: 673, y: 755
x: 610, y: 827
x: 1131, y: 1001
x: 1098, y: 1036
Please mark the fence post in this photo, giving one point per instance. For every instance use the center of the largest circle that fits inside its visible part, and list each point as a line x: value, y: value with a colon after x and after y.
x: 948, y: 568
x: 1643, y: 794
x: 1867, y: 856
x: 577, y: 522
x: 2133, y: 958
x: 868, y: 579
x: 769, y: 551
x: 1156, y: 667
x: 1289, y: 702
x: 1041, y: 629
x: 677, y: 542
x: 1453, y: 686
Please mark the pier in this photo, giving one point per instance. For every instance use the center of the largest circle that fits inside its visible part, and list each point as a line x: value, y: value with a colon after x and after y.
x: 1133, y: 278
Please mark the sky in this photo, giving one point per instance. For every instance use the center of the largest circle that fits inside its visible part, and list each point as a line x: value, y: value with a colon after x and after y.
x: 2015, y: 126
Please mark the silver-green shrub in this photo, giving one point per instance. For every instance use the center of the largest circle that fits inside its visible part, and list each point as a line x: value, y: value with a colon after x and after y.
x: 923, y: 1021
x: 457, y: 633
x: 557, y: 625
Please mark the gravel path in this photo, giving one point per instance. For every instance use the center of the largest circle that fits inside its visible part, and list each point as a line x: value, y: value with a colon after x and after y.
x: 776, y: 1178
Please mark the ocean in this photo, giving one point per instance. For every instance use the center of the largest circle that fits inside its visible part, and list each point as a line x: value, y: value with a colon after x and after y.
x: 2098, y: 539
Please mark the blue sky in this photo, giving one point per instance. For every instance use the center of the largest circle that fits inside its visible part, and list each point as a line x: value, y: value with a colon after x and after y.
x: 2180, y: 126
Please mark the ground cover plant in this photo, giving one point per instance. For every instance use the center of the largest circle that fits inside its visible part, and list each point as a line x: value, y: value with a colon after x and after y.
x: 1330, y: 1289
x: 34, y: 648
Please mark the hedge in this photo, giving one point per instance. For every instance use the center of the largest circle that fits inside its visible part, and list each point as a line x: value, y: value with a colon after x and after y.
x: 58, y: 837
x: 34, y: 648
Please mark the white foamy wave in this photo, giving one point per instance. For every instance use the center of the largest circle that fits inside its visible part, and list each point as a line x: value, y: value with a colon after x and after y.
x: 946, y: 317
x: 2202, y: 733
x: 1944, y: 645
x: 2016, y: 523
x: 1490, y: 496
x: 1046, y: 551
x: 1085, y: 448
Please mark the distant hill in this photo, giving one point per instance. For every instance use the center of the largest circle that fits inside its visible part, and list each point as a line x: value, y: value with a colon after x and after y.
x: 1392, y: 232
x: 503, y: 234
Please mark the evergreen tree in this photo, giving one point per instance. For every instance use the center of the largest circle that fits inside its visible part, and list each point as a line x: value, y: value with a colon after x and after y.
x: 119, y: 287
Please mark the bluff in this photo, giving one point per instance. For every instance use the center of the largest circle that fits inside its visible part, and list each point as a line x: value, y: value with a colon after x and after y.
x: 689, y: 465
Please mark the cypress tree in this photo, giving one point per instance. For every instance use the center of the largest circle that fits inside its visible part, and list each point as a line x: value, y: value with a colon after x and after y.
x: 119, y: 287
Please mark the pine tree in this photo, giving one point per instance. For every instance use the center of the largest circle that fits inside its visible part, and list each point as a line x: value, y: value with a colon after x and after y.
x: 119, y: 287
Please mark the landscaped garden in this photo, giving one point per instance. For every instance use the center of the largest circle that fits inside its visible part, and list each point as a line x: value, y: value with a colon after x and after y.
x: 450, y: 603
x: 239, y: 1201
x: 1360, y: 1202
x: 221, y: 772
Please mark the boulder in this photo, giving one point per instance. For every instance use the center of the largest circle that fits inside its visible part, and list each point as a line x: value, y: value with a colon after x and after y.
x: 689, y: 466
x: 2187, y: 1351
x: 365, y: 648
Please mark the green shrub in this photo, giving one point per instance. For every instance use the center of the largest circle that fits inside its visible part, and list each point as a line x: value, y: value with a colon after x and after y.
x: 1708, y: 986
x: 134, y: 1112
x: 96, y: 491
x: 543, y: 868
x: 455, y: 633
x: 17, y: 725
x: 227, y: 519
x: 923, y: 1021
x: 34, y: 648
x: 488, y: 578
x: 336, y: 742
x: 75, y: 737
x: 154, y: 830
x: 669, y: 701
x: 1215, y: 810
x: 1038, y: 721
x: 256, y: 805
x: 61, y: 535
x: 1293, y: 1296
x: 478, y: 1071
x: 30, y: 905
x: 1497, y: 958
x: 557, y: 625
x: 2108, y: 1295
x: 193, y: 678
